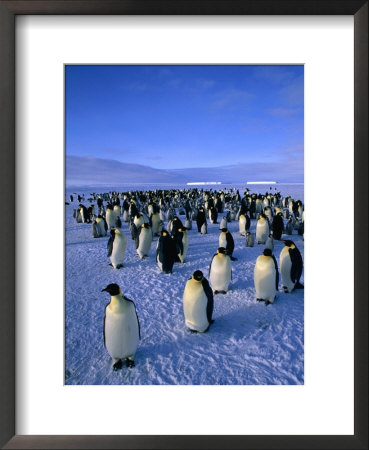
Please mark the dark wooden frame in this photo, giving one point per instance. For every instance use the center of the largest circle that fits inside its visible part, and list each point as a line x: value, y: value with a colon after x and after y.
x: 8, y: 11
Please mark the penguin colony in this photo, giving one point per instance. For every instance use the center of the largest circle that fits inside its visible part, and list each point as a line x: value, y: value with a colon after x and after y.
x: 145, y: 214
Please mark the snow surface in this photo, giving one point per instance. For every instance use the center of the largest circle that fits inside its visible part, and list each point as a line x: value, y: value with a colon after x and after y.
x: 249, y: 343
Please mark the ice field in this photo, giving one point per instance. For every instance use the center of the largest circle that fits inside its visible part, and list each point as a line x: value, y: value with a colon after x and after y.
x: 249, y: 343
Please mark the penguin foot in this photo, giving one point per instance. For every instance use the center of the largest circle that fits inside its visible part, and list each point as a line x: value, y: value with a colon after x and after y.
x: 267, y: 302
x: 110, y: 264
x: 119, y: 266
x: 222, y: 292
x: 215, y: 292
x: 298, y: 285
x: 192, y: 331
x: 118, y: 365
x: 285, y: 288
x: 259, y: 299
x: 130, y: 363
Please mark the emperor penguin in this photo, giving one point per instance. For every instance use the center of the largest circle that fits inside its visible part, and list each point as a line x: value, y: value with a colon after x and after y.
x: 266, y: 277
x: 117, y: 245
x: 220, y: 271
x: 290, y: 261
x: 270, y: 242
x: 100, y: 227
x: 165, y: 252
x: 188, y: 224
x: 242, y: 224
x: 200, y: 219
x: 204, y: 228
x: 262, y: 229
x: 213, y: 214
x: 226, y: 241
x: 181, y: 241
x: 289, y: 225
x: 277, y: 226
x: 223, y: 222
x: 116, y: 210
x: 84, y: 214
x: 143, y: 240
x: 110, y: 216
x: 198, y: 303
x: 155, y: 223
x: 121, y: 328
x: 249, y: 239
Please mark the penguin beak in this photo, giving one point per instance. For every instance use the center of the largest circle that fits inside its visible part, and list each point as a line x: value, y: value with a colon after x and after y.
x: 104, y: 290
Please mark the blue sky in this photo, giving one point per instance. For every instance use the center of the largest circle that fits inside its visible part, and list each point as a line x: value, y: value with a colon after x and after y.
x: 170, y: 117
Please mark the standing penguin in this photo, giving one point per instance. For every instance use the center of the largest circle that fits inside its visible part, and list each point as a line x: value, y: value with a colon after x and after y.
x: 270, y: 243
x: 262, y: 229
x: 200, y: 219
x: 110, y: 216
x: 220, y: 271
x: 290, y: 261
x: 249, y: 239
x: 226, y: 240
x: 101, y: 222
x: 155, y: 223
x: 242, y: 224
x: 143, y: 240
x: 121, y: 328
x: 266, y: 277
x: 181, y: 241
x: 117, y: 245
x: 277, y: 226
x: 198, y: 303
x: 213, y: 214
x: 165, y: 252
x: 223, y: 222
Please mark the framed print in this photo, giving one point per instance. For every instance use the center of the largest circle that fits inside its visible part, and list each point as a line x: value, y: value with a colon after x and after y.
x: 81, y: 45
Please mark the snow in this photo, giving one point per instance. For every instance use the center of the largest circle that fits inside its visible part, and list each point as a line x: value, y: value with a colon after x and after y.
x: 248, y: 344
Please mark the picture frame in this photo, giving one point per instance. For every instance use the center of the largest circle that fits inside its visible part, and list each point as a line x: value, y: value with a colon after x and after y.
x: 8, y: 11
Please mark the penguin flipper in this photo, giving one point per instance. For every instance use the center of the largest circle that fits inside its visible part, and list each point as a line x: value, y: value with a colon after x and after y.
x: 138, y: 322
x: 210, y: 296
x: 276, y: 273
x: 110, y: 246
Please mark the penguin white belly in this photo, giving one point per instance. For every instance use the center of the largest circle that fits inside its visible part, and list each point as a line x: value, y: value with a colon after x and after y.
x: 119, y: 249
x: 110, y: 218
x: 125, y: 216
x: 182, y: 256
x: 117, y: 211
x: 101, y: 226
x: 155, y: 221
x: 121, y: 332
x: 220, y: 273
x: 223, y: 223
x: 194, y: 307
x: 262, y: 232
x: 285, y: 265
x: 222, y: 240
x: 204, y: 228
x: 145, y: 240
x: 265, y: 279
x: 242, y: 225
x: 138, y: 221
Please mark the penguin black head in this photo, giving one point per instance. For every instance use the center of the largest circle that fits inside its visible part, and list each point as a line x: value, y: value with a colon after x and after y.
x: 112, y: 232
x: 224, y: 230
x: 145, y: 225
x: 112, y: 289
x: 267, y: 252
x: 198, y: 275
x: 288, y: 243
x: 222, y: 250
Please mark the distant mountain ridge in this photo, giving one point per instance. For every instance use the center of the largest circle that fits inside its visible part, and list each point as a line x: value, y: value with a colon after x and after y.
x: 91, y: 170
